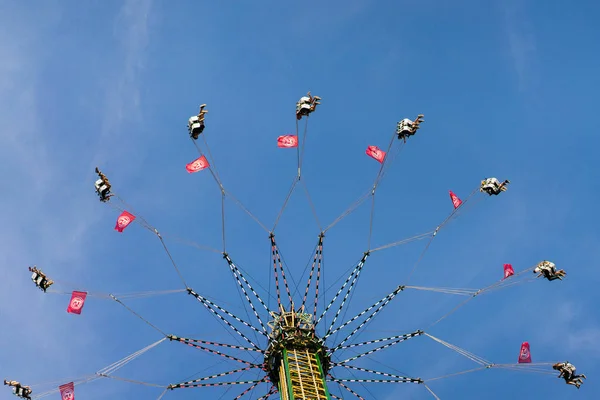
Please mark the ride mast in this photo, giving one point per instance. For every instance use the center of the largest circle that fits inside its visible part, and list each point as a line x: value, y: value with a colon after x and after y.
x: 296, y: 360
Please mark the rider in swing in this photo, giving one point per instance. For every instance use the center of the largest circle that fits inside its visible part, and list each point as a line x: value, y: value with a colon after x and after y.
x: 102, y: 186
x: 196, y: 123
x: 567, y: 371
x: 406, y: 127
x: 21, y: 391
x: 492, y: 186
x: 40, y: 279
x: 548, y: 270
x: 306, y: 105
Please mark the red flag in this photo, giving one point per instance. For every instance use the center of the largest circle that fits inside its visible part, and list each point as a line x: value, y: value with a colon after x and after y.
x: 287, y: 141
x: 455, y: 200
x: 376, y: 153
x: 76, y: 303
x: 197, y: 165
x: 67, y: 391
x: 508, y: 270
x: 124, y: 220
x: 525, y: 354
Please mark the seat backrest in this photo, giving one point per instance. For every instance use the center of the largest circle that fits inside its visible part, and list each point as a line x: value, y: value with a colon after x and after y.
x: 406, y: 124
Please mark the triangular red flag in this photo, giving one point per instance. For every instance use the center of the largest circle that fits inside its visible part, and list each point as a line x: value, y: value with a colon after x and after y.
x: 525, y: 353
x: 508, y: 270
x: 456, y: 202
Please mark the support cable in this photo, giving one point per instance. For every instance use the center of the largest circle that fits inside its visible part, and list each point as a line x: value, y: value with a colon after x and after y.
x: 140, y: 220
x: 269, y: 393
x: 503, y: 283
x: 332, y: 379
x: 301, y: 156
x: 137, y: 315
x: 354, y: 274
x: 465, y: 353
x: 217, y: 344
x: 238, y: 275
x: 219, y: 375
x: 316, y: 260
x: 338, y: 380
x: 343, y: 302
x: 386, y: 374
x: 222, y: 384
x: 285, y: 202
x: 212, y: 351
x: 382, y: 347
x: 311, y: 204
x: 133, y: 295
x: 437, y: 229
x: 209, y: 306
x: 405, y: 336
x: 239, y: 203
x: 277, y: 261
x: 371, y: 191
x: 379, y: 304
x: 431, y: 392
x: 404, y: 241
x: 132, y: 381
x: 170, y: 257
x: 250, y: 388
x: 319, y: 267
x: 104, y: 372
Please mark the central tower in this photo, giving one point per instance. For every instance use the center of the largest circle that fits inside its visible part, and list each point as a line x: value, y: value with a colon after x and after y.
x: 296, y: 359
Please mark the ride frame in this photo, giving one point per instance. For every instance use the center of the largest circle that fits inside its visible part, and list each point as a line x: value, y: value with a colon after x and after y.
x: 296, y: 360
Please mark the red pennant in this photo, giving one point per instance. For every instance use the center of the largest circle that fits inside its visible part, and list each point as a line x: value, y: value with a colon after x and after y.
x: 456, y: 202
x: 376, y: 153
x: 525, y: 353
x: 124, y: 220
x: 287, y: 141
x: 197, y: 165
x: 76, y: 303
x: 67, y: 391
x: 508, y: 270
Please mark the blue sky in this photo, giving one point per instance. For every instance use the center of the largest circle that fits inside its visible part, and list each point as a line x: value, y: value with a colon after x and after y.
x: 508, y: 89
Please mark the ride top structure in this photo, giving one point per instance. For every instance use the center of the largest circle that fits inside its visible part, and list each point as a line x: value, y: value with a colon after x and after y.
x: 296, y: 354
x: 296, y: 360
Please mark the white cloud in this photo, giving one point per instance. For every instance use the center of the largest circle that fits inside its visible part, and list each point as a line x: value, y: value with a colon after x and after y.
x: 574, y: 324
x: 123, y: 96
x: 585, y: 341
x: 521, y: 42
